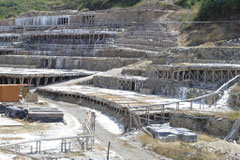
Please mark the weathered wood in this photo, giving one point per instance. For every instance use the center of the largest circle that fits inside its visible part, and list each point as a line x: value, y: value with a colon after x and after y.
x: 234, y: 133
x: 138, y: 126
x: 108, y: 151
x: 45, y: 114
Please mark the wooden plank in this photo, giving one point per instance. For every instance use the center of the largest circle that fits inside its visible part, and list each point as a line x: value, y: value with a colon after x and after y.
x: 48, y: 115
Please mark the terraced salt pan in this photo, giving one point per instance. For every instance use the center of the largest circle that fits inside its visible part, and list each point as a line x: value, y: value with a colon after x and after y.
x: 55, y: 130
x: 123, y: 98
x: 81, y: 31
x: 8, y: 71
x: 7, y: 122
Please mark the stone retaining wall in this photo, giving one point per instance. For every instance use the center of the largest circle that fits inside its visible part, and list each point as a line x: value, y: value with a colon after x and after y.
x: 210, y: 125
x: 93, y: 64
x: 153, y: 86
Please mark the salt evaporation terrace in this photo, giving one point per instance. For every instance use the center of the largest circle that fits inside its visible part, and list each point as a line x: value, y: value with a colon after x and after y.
x: 153, y: 69
x: 38, y: 76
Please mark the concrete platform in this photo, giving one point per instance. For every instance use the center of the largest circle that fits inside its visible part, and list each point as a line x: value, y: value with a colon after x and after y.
x: 7, y: 122
x: 167, y: 133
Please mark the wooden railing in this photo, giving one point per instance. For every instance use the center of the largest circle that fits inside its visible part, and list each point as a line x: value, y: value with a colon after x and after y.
x: 90, y: 123
x: 84, y: 139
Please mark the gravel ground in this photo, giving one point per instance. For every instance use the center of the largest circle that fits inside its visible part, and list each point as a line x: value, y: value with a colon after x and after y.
x: 122, y: 147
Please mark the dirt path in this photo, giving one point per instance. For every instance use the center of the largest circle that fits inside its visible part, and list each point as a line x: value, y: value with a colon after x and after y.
x: 126, y: 150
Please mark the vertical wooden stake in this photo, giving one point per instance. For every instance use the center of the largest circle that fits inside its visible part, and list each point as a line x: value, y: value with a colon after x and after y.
x: 191, y: 105
x: 108, y: 151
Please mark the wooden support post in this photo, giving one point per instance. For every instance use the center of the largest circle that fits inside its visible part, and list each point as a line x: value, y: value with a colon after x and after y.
x: 126, y: 120
x: 87, y: 145
x: 228, y: 75
x: 198, y: 75
x: 204, y: 76
x: 92, y: 143
x: 162, y: 114
x: 178, y: 76
x: 154, y: 117
x: 21, y: 80
x: 93, y: 121
x: 130, y: 120
x: 38, y: 146
x: 213, y: 78
x: 183, y: 76
x: 148, y: 116
x: 37, y: 82
x: 17, y: 148
x: 177, y: 106
x: 30, y: 80
x: 9, y: 80
x: 45, y: 80
x: 191, y: 105
x: 221, y: 74
x: 14, y: 80
x: 108, y: 151
x: 69, y: 147
x: 214, y: 100
x: 63, y: 145
x: 53, y: 79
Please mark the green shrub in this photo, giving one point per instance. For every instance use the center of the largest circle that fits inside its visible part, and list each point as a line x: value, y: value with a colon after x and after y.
x: 218, y: 8
x: 213, y: 9
x: 187, y: 3
x: 98, y: 4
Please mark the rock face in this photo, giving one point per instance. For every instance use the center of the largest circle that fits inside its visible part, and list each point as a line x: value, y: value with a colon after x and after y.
x: 210, y: 125
x: 206, y: 53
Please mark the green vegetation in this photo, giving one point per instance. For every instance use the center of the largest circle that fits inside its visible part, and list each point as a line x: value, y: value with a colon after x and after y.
x: 212, y: 9
x: 218, y: 9
x: 13, y: 8
x: 230, y: 115
x: 187, y: 3
x: 233, y: 115
x: 97, y: 4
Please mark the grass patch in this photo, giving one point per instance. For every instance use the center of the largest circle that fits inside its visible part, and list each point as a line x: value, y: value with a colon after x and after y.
x: 234, y: 115
x: 76, y: 153
x: 100, y: 147
x: 178, y: 150
x: 11, y: 138
x: 206, y: 138
x: 198, y: 114
x: 236, y: 88
x: 197, y: 34
x: 229, y: 115
x: 125, y: 143
x: 27, y: 128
